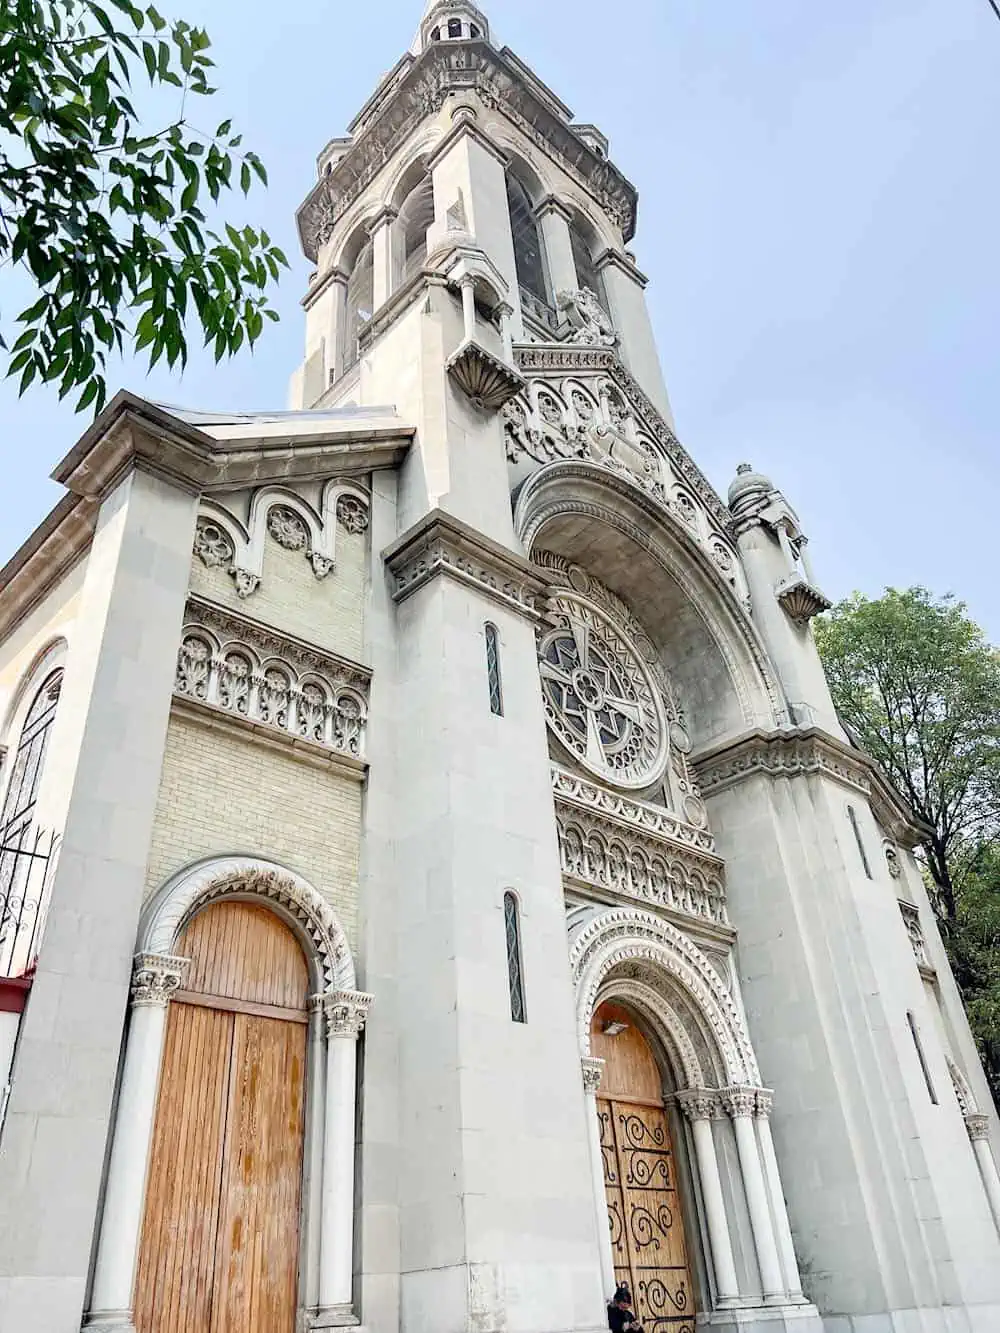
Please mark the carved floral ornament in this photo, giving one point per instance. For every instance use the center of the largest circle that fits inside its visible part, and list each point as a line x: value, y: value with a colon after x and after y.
x: 222, y: 542
x: 581, y: 403
x: 156, y: 979
x: 344, y: 1012
x: 260, y: 676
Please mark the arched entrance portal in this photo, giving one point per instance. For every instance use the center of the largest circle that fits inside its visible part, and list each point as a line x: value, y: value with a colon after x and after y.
x: 640, y: 1176
x: 220, y: 1238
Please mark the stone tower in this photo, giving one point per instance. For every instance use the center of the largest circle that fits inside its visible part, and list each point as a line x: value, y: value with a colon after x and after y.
x: 467, y: 899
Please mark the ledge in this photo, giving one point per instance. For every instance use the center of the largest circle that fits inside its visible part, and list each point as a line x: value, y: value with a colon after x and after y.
x: 259, y: 733
x: 799, y: 751
x: 443, y: 545
x: 51, y: 551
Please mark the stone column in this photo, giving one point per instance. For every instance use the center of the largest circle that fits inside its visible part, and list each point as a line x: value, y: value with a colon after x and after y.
x: 505, y: 314
x: 345, y: 1013
x: 554, y: 219
x: 381, y: 231
x: 338, y: 326
x: 154, y: 980
x: 469, y: 307
x: 701, y: 1108
x: 979, y: 1132
x: 741, y: 1104
x: 779, y: 1211
x: 593, y: 1071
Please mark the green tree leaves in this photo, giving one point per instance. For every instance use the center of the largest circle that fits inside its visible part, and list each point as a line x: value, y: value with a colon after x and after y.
x: 107, y: 218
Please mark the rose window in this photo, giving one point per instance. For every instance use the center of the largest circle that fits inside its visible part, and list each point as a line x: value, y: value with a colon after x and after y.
x: 600, y: 699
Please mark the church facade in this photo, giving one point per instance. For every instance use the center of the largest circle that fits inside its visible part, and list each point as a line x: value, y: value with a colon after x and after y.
x: 435, y: 888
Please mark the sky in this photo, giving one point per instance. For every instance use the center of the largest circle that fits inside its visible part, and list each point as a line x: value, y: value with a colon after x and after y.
x: 819, y: 200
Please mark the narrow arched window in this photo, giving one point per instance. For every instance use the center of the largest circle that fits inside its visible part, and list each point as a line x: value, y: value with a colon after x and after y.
x: 415, y: 217
x: 474, y: 32
x: 527, y: 240
x: 22, y: 868
x: 454, y: 27
x: 360, y: 303
x: 587, y: 274
x: 436, y: 35
x: 493, y: 670
x: 21, y: 795
x: 515, y: 970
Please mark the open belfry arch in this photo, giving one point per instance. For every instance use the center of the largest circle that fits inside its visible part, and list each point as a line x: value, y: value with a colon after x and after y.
x: 456, y: 684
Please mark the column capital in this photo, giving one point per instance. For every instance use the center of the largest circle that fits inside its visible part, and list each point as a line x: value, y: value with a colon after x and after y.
x: 764, y: 1104
x: 740, y: 1103
x: 552, y: 204
x: 593, y: 1071
x: 700, y: 1104
x: 383, y: 218
x: 978, y: 1127
x: 345, y: 1012
x: 156, y: 978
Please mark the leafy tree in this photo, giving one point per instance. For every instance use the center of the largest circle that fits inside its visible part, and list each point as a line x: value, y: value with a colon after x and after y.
x: 106, y: 216
x: 918, y: 685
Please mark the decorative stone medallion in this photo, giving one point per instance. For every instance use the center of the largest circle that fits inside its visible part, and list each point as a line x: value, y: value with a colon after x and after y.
x: 600, y: 698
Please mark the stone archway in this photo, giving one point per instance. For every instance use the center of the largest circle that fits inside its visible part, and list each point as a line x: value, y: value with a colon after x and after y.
x: 336, y: 1016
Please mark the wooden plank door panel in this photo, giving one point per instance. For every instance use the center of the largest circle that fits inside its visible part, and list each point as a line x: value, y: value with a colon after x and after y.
x: 176, y: 1271
x: 258, y: 1243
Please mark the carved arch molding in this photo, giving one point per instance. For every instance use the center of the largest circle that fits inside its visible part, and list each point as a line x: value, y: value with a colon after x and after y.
x: 706, y: 1032
x: 293, y: 898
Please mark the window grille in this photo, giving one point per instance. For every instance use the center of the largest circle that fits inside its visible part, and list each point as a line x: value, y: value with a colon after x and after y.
x: 493, y: 670
x: 24, y: 853
x: 360, y: 303
x: 857, y: 838
x: 527, y: 241
x: 515, y: 976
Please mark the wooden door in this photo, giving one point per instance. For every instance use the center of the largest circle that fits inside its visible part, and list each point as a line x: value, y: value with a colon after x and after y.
x: 220, y: 1241
x: 640, y: 1178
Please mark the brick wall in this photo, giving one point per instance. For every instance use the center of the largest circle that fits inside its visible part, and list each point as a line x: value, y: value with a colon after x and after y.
x: 223, y: 795
x: 327, y: 612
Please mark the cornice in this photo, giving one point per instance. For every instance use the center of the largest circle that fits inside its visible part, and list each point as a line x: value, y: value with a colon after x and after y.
x: 133, y: 433
x: 466, y: 128
x: 418, y: 91
x: 800, y: 751
x: 319, y: 285
x: 612, y: 259
x: 51, y: 551
x: 441, y: 545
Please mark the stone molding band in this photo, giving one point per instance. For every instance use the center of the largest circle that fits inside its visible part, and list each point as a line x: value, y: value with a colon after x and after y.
x: 442, y: 545
x: 798, y: 751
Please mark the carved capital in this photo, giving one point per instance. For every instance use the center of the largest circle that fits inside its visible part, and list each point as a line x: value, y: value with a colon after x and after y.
x: 156, y: 978
x: 740, y: 1103
x: 700, y: 1104
x: 978, y: 1127
x: 345, y: 1012
x: 764, y: 1104
x: 593, y: 1072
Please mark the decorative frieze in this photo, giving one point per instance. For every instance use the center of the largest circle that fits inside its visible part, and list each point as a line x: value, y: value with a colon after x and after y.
x: 638, y: 864
x: 156, y: 978
x: 582, y: 404
x: 420, y: 91
x: 352, y: 513
x: 344, y: 1012
x: 656, y: 821
x: 250, y: 671
x: 781, y: 754
x: 442, y: 546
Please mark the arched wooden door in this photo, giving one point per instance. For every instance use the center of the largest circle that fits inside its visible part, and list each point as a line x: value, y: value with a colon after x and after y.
x: 220, y: 1240
x: 640, y: 1176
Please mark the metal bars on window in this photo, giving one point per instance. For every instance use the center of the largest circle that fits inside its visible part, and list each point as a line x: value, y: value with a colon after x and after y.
x: 515, y: 972
x: 493, y: 670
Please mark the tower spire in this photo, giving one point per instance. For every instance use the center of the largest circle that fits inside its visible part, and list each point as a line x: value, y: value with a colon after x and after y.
x: 451, y: 21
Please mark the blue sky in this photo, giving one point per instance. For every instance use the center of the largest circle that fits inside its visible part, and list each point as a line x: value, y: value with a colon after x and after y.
x: 819, y: 200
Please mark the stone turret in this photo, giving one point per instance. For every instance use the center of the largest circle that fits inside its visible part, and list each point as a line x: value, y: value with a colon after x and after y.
x: 451, y: 21
x: 783, y: 592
